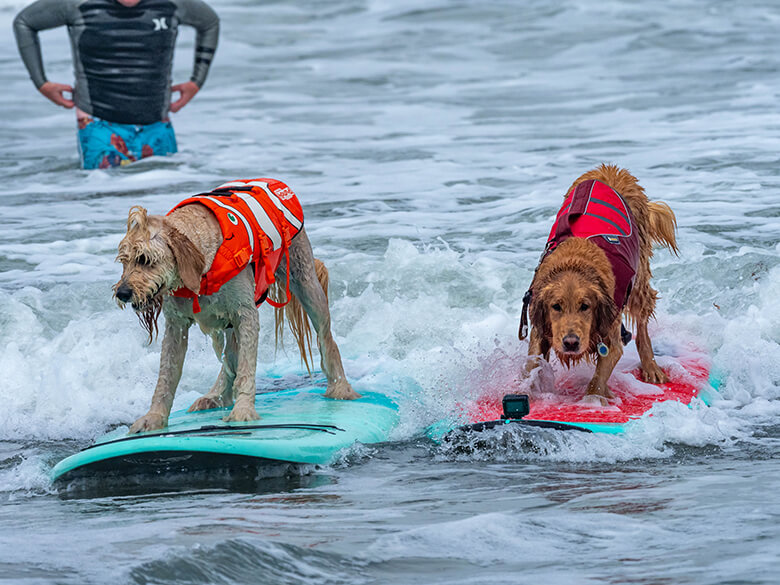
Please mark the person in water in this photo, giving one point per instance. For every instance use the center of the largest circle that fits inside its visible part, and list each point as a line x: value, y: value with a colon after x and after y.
x: 123, y: 55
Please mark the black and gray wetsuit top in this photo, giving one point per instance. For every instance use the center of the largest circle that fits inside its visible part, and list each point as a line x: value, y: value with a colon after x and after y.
x: 122, y: 55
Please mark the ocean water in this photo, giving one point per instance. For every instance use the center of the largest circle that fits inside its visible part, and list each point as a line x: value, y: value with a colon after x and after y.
x: 431, y: 142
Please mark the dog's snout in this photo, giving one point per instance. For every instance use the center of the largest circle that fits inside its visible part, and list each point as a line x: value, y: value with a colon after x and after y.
x: 124, y: 293
x: 571, y: 343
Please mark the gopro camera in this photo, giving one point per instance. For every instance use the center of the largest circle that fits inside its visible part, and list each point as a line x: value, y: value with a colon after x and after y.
x: 515, y: 406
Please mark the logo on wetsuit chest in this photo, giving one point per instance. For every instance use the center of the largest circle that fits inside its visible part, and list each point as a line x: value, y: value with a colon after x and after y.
x: 160, y: 24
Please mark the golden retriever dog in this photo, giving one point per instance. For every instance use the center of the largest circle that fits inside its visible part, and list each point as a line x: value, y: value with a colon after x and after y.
x: 183, y: 265
x: 595, y: 267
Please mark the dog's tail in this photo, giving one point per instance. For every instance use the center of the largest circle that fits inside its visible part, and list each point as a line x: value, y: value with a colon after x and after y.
x: 662, y: 226
x: 297, y: 320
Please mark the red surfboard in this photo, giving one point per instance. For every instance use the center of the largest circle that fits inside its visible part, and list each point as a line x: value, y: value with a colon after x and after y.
x: 690, y: 377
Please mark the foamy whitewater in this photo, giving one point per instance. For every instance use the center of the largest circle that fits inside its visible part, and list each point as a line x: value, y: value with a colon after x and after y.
x: 431, y: 142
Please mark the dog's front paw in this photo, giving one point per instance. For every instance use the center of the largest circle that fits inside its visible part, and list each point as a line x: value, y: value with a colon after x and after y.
x: 341, y: 390
x: 594, y: 400
x: 652, y: 374
x: 598, y: 391
x: 151, y: 421
x: 242, y: 413
x: 541, y: 379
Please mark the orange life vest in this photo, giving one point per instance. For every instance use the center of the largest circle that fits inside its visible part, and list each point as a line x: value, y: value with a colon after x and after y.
x: 259, y: 218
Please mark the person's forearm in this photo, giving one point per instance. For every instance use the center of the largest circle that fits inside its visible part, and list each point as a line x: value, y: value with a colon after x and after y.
x: 38, y: 16
x: 205, y: 47
x: 206, y: 22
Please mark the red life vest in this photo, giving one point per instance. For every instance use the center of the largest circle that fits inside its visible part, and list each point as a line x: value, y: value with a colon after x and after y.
x: 258, y: 218
x: 595, y: 211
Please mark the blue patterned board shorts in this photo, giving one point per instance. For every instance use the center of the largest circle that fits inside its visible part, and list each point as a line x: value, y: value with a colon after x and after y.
x: 107, y: 144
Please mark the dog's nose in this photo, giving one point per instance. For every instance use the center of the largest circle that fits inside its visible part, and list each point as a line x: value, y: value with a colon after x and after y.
x: 124, y: 293
x: 571, y: 343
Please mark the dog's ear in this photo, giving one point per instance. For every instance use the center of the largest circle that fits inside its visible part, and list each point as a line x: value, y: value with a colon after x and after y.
x: 537, y: 313
x: 137, y: 221
x: 189, y: 260
x: 605, y: 313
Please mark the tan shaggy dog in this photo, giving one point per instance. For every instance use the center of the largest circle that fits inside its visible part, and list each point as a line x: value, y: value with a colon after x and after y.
x: 163, y: 253
x: 572, y: 308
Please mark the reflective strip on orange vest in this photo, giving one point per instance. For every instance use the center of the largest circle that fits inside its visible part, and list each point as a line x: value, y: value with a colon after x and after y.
x: 261, y: 217
x: 288, y: 215
x: 250, y: 232
x: 275, y: 199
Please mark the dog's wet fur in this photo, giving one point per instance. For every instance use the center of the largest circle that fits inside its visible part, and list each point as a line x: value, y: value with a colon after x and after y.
x: 572, y: 307
x: 160, y: 254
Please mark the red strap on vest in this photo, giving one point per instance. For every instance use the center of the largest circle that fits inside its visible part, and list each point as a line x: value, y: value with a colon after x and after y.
x: 286, y: 252
x: 188, y: 294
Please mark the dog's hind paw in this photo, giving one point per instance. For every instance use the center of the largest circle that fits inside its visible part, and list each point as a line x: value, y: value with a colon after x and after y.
x: 341, y: 391
x: 242, y: 413
x: 204, y: 403
x: 151, y: 421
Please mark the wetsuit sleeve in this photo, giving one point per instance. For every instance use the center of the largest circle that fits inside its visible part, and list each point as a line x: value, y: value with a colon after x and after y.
x: 200, y: 15
x: 40, y: 15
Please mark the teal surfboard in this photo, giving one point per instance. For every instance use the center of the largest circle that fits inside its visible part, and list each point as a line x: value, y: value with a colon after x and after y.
x: 297, y: 426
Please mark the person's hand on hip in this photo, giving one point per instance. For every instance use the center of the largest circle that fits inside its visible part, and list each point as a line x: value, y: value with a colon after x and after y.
x: 187, y: 91
x: 55, y: 91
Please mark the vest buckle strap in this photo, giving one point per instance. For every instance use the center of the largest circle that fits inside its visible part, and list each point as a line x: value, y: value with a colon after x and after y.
x: 242, y: 257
